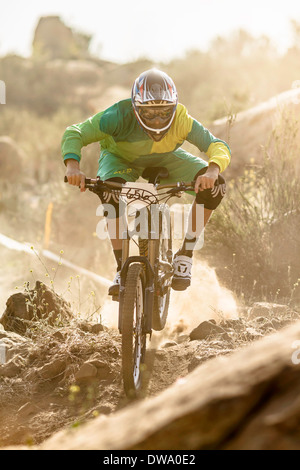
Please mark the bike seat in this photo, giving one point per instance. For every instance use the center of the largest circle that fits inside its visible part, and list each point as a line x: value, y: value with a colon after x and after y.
x: 155, y: 173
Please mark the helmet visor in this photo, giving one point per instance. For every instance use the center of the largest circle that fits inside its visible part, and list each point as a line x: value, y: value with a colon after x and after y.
x: 149, y: 113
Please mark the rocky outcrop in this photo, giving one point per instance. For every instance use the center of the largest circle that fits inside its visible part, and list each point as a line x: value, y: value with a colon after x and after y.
x: 11, y: 345
x: 257, y: 124
x: 246, y: 400
x: 267, y: 310
x: 40, y: 303
x: 54, y: 40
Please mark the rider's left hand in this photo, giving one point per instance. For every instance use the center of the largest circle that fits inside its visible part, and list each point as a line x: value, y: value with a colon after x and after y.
x: 207, y: 181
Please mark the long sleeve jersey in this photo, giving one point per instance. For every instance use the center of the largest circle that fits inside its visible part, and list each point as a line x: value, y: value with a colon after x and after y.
x: 118, y: 131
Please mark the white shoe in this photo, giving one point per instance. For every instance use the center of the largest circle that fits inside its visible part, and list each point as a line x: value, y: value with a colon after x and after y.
x: 182, y: 272
x: 115, y: 287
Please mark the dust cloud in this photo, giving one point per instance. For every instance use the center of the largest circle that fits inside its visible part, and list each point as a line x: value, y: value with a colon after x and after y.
x: 205, y: 299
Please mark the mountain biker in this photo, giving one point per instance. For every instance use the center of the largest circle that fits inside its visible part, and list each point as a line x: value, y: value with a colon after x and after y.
x: 145, y: 130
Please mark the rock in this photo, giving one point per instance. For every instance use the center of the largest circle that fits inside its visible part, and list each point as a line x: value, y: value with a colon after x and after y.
x: 13, y: 338
x: 12, y: 344
x: 84, y: 326
x: 96, y: 328
x: 195, y: 362
x: 97, y: 363
x: 93, y: 328
x: 114, y: 351
x: 248, y: 399
x: 182, y: 338
x: 39, y: 303
x: 168, y: 344
x: 252, y: 334
x: 103, y: 368
x: 235, y: 325
x: 53, y: 39
x: 104, y: 409
x: 10, y: 369
x: 104, y: 373
x: 267, y: 310
x: 58, y: 336
x: 278, y: 324
x: 260, y: 320
x: 52, y: 369
x: 267, y: 326
x: 205, y: 330
x: 87, y: 371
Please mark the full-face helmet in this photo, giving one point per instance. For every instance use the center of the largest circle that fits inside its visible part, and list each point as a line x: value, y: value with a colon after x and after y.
x: 154, y: 100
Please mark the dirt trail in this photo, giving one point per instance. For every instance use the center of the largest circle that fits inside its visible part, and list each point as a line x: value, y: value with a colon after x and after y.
x: 60, y: 377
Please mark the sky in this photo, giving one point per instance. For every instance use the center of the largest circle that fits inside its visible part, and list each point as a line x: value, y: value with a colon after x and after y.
x: 125, y: 30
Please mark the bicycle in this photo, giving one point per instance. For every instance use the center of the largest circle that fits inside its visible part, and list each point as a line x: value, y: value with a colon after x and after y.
x: 145, y: 284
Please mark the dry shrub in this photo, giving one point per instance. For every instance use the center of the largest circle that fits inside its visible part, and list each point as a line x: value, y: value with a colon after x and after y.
x: 257, y: 227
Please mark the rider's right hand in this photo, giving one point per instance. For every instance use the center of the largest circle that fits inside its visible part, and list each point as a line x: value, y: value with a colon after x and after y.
x: 74, y: 175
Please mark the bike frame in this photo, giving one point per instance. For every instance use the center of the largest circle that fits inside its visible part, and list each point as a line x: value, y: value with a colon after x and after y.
x: 97, y: 186
x: 144, y: 290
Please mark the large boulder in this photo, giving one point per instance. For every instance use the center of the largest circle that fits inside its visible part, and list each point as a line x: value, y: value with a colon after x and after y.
x: 11, y: 345
x: 246, y: 400
x: 53, y: 40
x: 40, y: 303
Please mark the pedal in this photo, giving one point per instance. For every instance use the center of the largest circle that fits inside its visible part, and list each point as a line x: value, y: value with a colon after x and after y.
x: 115, y: 298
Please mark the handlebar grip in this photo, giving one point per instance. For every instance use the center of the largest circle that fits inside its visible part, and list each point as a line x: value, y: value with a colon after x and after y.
x: 87, y: 180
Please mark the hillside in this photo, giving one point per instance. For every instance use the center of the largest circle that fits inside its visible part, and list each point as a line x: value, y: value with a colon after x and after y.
x: 68, y: 379
x: 224, y: 372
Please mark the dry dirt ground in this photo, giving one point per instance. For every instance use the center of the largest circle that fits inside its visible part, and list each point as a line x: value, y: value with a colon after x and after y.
x: 60, y: 376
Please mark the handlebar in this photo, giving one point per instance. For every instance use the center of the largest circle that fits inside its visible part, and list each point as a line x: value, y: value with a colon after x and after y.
x: 96, y: 182
x: 93, y: 183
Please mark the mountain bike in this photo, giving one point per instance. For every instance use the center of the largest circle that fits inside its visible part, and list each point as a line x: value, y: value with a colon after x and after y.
x: 146, y: 278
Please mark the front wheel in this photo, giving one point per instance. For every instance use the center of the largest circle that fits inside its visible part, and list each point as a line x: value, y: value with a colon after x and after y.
x: 133, y: 335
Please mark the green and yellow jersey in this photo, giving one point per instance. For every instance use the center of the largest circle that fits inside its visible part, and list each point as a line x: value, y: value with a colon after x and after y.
x: 119, y: 133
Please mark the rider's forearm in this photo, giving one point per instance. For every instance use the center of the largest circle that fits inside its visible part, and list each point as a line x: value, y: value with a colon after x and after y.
x: 79, y: 135
x: 216, y: 149
x: 72, y: 144
x: 219, y: 154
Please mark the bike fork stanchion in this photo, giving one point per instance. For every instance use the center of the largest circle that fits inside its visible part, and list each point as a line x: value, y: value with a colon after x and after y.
x: 152, y: 252
x: 148, y: 308
x: 125, y: 247
x: 149, y: 291
x: 125, y: 256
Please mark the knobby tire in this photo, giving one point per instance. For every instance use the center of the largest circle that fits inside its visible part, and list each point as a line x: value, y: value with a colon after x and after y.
x: 133, y: 337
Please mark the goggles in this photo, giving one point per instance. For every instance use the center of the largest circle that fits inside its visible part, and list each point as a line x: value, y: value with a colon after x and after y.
x: 148, y: 113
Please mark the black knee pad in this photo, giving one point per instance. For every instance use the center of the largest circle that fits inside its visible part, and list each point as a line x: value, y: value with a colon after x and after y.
x: 110, y: 201
x: 212, y: 197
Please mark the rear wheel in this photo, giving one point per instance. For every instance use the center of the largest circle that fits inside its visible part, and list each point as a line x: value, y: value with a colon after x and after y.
x: 133, y: 336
